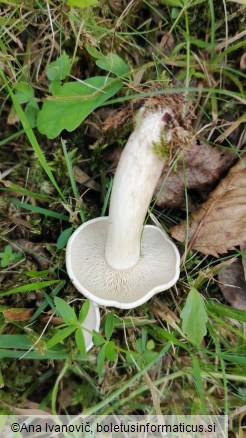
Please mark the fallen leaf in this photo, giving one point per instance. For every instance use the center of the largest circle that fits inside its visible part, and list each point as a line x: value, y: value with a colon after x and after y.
x: 56, y: 320
x: 233, y: 285
x: 204, y: 166
x: 82, y: 178
x: 243, y: 62
x: 243, y: 249
x: 220, y: 223
x: 21, y: 222
x: 64, y: 397
x: 12, y: 117
x: 167, y: 43
x: 20, y: 314
x: 232, y: 281
x: 137, y: 77
x: 161, y: 310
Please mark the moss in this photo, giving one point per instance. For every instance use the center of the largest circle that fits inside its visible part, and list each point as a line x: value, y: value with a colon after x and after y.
x: 162, y: 148
x: 17, y: 376
x: 174, y: 141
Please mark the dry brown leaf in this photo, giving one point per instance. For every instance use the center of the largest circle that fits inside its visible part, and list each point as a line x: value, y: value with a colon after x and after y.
x: 20, y: 314
x: 162, y: 310
x: 167, y: 43
x: 82, y: 178
x: 21, y: 222
x: 243, y: 62
x: 12, y: 117
x: 232, y: 284
x: 64, y: 397
x: 220, y: 223
x: 243, y: 249
x: 137, y: 77
x: 56, y: 320
x: 204, y: 166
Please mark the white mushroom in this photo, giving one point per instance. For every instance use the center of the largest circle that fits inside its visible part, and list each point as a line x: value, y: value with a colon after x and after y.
x: 90, y: 324
x: 115, y: 260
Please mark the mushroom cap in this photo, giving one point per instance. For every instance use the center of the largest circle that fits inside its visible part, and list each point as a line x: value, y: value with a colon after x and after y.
x: 156, y: 270
x: 91, y: 322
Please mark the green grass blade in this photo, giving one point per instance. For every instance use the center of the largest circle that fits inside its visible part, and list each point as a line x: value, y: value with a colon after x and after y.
x: 222, y: 364
x: 193, y: 91
x: 161, y: 334
x: 11, y: 187
x: 40, y: 210
x: 13, y: 346
x: 45, y: 303
x: 22, y: 342
x: 11, y: 137
x: 29, y: 287
x: 231, y: 49
x: 106, y: 200
x: 236, y: 359
x: 222, y: 309
x: 60, y: 336
x: 48, y: 355
x: 199, y: 385
x: 72, y: 180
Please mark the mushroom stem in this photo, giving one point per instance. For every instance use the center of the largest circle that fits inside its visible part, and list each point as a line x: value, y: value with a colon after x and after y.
x: 136, y: 177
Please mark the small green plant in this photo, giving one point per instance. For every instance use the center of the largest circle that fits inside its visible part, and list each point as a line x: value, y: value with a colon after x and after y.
x: 25, y: 96
x: 63, y: 238
x: 109, y: 348
x: 72, y: 102
x: 144, y: 353
x: 72, y: 324
x: 195, y: 318
x: 8, y: 256
x: 111, y: 62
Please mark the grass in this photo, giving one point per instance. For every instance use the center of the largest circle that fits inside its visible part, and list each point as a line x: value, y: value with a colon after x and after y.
x: 153, y: 366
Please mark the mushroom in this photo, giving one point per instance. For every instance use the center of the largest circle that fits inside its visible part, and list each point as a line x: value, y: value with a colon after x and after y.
x: 115, y: 260
x: 90, y: 324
